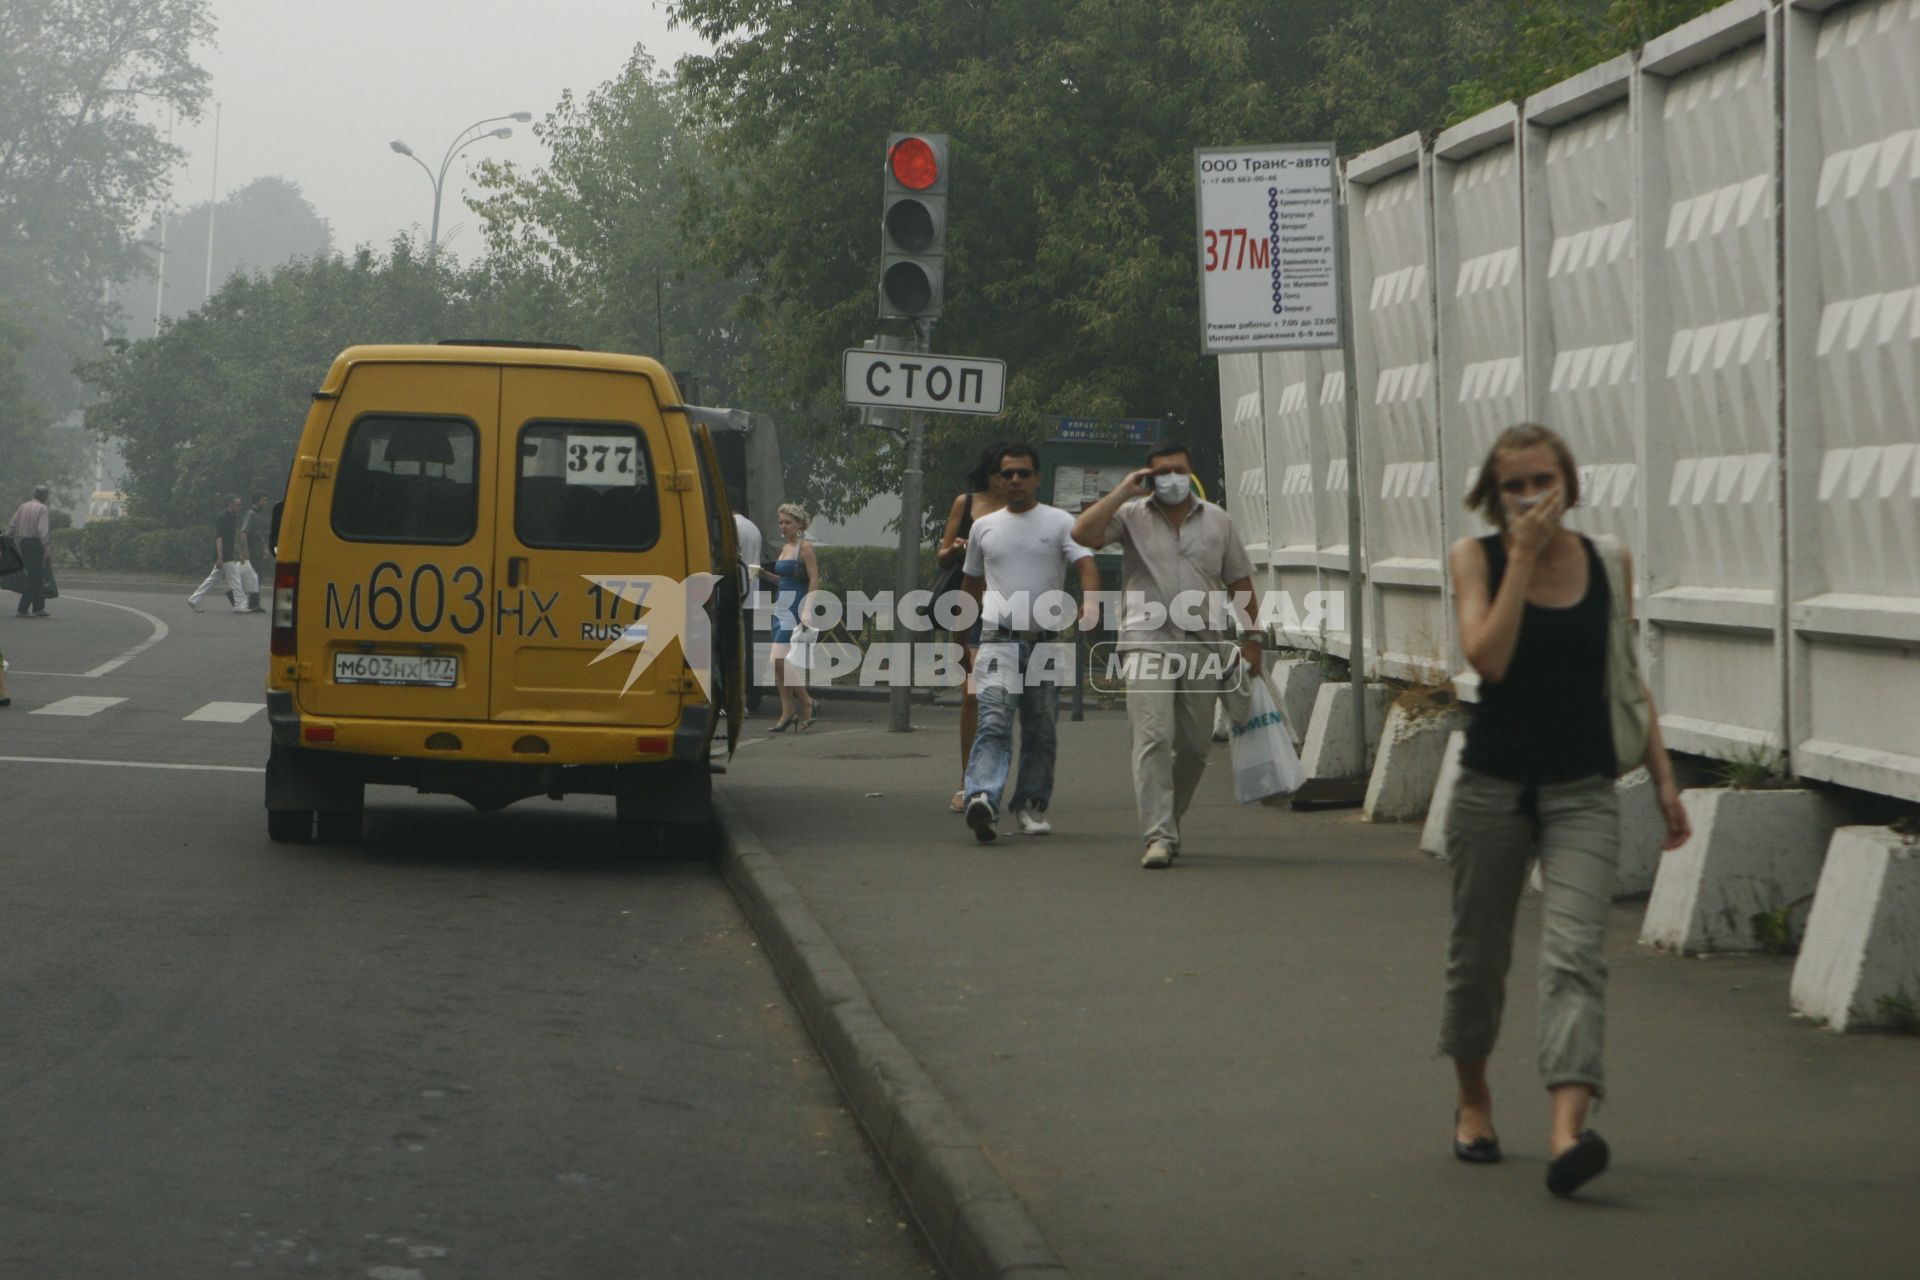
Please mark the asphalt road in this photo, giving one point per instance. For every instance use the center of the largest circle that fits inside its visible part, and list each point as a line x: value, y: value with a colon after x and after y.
x: 471, y: 1046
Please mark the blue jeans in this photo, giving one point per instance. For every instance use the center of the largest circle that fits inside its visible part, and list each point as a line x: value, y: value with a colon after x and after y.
x: 1006, y: 675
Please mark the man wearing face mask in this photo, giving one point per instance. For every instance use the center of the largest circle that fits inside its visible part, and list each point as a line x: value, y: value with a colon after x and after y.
x: 1185, y: 581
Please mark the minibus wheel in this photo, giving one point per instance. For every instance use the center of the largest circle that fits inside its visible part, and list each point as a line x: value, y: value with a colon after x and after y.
x: 290, y: 826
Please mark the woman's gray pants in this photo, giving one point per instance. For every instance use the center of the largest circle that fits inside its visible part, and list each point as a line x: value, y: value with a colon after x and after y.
x: 1494, y: 830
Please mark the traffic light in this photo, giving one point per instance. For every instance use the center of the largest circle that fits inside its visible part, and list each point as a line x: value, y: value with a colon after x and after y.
x: 913, y: 227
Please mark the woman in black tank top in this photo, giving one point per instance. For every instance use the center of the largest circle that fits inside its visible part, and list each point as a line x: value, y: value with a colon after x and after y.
x: 983, y: 497
x: 1533, y: 607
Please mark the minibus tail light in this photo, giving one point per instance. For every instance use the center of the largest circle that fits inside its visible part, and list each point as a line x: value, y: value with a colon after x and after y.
x: 286, y: 585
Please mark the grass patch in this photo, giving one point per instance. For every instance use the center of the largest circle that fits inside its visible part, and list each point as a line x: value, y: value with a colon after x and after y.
x: 1752, y: 769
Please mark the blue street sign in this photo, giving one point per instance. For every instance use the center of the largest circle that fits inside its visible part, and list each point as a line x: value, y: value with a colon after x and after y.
x: 1105, y: 431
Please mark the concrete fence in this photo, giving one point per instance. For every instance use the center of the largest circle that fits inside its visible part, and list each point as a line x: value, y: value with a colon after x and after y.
x: 1699, y: 262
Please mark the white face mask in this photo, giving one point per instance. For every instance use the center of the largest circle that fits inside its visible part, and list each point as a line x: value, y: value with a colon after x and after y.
x: 1172, y: 489
x: 1521, y: 506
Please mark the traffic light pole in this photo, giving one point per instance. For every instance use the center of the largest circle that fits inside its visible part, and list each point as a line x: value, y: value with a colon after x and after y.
x: 906, y: 576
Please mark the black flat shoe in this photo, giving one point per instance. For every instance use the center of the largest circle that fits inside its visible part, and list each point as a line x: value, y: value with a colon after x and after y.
x: 1578, y: 1165
x: 1479, y: 1151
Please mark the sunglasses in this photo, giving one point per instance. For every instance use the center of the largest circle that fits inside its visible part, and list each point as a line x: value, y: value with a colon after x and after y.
x: 1016, y: 473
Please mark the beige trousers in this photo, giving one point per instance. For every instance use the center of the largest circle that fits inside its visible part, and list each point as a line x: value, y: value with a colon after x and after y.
x: 1172, y: 722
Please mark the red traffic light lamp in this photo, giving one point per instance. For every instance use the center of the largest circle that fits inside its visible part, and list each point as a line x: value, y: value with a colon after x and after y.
x: 915, y: 164
x: 913, y: 227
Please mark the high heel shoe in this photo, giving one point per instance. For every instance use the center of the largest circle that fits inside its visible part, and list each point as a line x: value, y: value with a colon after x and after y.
x: 806, y: 724
x: 781, y: 725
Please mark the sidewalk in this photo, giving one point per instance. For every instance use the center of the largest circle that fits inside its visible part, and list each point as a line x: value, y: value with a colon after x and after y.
x: 1226, y: 1069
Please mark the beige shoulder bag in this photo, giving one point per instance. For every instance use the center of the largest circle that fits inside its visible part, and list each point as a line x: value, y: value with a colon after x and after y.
x: 1627, y: 704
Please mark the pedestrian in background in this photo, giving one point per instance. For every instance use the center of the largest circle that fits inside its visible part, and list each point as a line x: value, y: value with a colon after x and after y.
x: 1017, y: 558
x: 31, y: 528
x: 226, y: 559
x: 983, y: 497
x: 10, y: 563
x: 746, y: 536
x: 252, y: 541
x: 796, y: 570
x: 1173, y: 545
x: 1532, y: 602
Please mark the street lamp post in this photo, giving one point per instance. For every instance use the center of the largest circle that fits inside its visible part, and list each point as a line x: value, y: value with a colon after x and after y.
x: 461, y: 141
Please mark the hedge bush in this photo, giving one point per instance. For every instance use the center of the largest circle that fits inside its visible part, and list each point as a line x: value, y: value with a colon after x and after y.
x: 870, y: 569
x: 140, y: 544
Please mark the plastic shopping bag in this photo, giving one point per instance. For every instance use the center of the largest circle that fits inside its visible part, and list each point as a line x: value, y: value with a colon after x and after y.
x: 801, y: 649
x: 1264, y: 762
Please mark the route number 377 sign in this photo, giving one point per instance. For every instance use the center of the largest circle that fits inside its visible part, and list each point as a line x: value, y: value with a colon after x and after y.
x: 1269, y: 246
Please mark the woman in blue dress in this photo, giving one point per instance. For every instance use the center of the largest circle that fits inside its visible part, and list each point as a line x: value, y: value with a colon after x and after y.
x: 796, y: 570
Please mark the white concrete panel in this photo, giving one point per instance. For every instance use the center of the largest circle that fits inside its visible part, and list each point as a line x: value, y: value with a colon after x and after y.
x: 1483, y: 328
x: 1715, y: 540
x: 1244, y: 450
x: 1854, y: 250
x: 1399, y: 403
x: 1589, y: 343
x: 1717, y: 242
x: 1304, y: 432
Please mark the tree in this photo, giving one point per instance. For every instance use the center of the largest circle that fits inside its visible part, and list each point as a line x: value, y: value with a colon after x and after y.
x: 78, y: 168
x: 31, y: 449
x: 78, y: 163
x: 258, y: 227
x: 1537, y: 43
x: 590, y: 246
x: 1070, y: 235
x: 215, y: 403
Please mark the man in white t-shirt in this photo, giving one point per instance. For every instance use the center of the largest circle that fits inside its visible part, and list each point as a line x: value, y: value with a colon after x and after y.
x: 1016, y: 563
x: 747, y: 535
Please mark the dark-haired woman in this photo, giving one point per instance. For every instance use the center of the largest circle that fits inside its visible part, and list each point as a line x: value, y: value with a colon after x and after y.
x: 982, y: 497
x: 1532, y: 601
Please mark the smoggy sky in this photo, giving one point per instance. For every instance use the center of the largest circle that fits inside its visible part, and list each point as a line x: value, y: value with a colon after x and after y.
x: 314, y: 90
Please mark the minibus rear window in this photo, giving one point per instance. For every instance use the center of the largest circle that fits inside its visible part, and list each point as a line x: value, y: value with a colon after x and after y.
x: 407, y: 478
x: 585, y: 486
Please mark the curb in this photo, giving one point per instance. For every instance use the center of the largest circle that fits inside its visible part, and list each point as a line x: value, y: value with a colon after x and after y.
x: 975, y: 1226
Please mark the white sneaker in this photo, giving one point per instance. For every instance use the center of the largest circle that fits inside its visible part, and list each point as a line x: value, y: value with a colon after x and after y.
x: 1033, y: 824
x: 1159, y: 855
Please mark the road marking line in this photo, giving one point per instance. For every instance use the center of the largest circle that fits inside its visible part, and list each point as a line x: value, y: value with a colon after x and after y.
x: 228, y: 712
x: 135, y: 764
x: 159, y: 634
x: 76, y: 706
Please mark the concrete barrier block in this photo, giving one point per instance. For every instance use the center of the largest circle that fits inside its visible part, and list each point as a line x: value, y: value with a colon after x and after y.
x: 1752, y: 853
x: 1328, y: 752
x: 1296, y: 685
x: 1433, y: 837
x: 1642, y: 831
x: 1859, y: 962
x: 1406, y: 770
